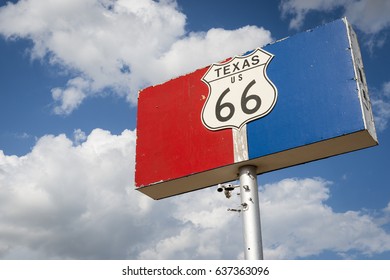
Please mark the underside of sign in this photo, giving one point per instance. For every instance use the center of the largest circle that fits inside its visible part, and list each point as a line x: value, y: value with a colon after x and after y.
x: 294, y: 101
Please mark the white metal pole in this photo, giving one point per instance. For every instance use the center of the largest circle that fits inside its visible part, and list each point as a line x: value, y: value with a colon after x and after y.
x: 250, y: 213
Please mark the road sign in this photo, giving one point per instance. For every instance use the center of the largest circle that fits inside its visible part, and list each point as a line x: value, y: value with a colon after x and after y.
x: 297, y: 100
x: 239, y: 91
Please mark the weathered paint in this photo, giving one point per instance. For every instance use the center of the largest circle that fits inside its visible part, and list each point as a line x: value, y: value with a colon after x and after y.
x: 240, y: 141
x: 323, y: 109
x: 171, y: 140
x: 318, y: 95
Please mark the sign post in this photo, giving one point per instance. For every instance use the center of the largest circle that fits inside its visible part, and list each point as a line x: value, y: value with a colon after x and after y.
x: 250, y: 213
x: 297, y: 100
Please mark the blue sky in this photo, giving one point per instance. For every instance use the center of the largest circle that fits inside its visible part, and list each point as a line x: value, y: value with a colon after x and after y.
x: 70, y: 72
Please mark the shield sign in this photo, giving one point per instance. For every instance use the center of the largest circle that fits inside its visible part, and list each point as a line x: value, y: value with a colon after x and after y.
x: 239, y: 91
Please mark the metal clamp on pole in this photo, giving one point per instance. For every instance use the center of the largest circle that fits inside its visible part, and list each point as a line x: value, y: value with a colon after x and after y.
x: 251, y: 213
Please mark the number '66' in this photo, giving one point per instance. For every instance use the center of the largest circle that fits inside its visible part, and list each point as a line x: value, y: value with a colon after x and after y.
x: 244, y: 104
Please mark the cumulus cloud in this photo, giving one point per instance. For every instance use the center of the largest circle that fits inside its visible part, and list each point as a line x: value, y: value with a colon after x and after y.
x: 198, y: 49
x: 75, y: 199
x: 370, y: 16
x: 381, y: 106
x: 117, y: 46
x: 298, y: 223
x: 70, y: 97
x: 205, y: 229
x: 381, y: 110
x: 298, y: 9
x: 62, y: 201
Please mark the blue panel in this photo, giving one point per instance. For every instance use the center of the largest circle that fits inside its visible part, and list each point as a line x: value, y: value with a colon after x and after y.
x: 317, y: 94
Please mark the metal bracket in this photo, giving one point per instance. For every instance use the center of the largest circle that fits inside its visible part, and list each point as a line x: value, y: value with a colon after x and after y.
x: 227, y: 189
x: 234, y: 210
x: 244, y: 207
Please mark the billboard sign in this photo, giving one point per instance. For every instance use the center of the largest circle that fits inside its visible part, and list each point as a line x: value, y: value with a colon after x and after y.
x: 296, y: 100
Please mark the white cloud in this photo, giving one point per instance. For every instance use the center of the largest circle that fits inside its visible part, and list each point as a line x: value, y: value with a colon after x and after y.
x: 199, y: 49
x: 381, y: 110
x: 117, y: 46
x: 300, y: 8
x: 381, y: 107
x: 75, y: 199
x: 370, y: 16
x: 71, y: 97
x: 205, y: 229
x: 103, y: 42
x: 386, y: 89
x: 298, y: 223
x: 66, y: 201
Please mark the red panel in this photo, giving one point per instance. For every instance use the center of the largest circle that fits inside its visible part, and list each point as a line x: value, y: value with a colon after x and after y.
x: 171, y: 139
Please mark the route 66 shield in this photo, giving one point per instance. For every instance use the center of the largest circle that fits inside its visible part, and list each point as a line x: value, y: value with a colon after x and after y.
x: 239, y: 91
